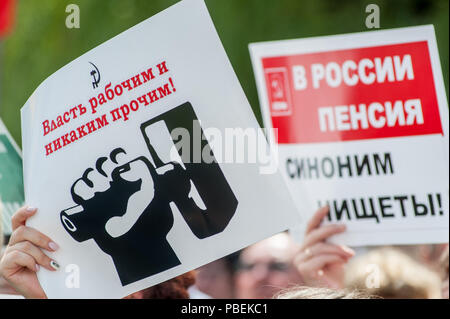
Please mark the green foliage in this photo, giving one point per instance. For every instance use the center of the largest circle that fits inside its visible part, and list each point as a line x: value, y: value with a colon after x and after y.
x: 41, y: 44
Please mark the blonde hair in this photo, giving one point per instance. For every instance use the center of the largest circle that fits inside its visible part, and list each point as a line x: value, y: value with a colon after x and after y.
x: 322, y: 293
x: 395, y: 275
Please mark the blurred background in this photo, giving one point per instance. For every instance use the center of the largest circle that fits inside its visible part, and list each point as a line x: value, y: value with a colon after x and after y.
x: 38, y: 42
x: 35, y: 42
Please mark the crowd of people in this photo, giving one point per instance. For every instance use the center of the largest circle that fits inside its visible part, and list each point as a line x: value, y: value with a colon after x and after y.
x: 276, y: 267
x: 280, y: 268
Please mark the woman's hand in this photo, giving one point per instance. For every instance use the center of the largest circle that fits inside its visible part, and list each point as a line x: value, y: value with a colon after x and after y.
x: 318, y: 262
x: 23, y: 256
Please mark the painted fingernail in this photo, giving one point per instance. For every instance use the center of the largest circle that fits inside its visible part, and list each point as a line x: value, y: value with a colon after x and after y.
x: 53, y: 246
x: 54, y: 265
x: 37, y: 267
x: 30, y: 209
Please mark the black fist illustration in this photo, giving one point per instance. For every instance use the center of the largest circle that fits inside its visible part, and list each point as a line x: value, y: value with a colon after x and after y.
x: 124, y: 205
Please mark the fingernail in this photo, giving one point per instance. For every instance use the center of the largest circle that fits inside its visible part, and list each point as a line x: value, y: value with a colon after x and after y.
x: 30, y: 209
x: 37, y: 267
x: 348, y: 250
x: 53, y: 246
x: 54, y: 265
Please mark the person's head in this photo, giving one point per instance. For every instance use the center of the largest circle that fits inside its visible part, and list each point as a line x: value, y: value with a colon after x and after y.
x: 175, y: 288
x: 322, y: 293
x: 391, y: 274
x: 426, y: 254
x: 266, y: 267
x: 216, y: 279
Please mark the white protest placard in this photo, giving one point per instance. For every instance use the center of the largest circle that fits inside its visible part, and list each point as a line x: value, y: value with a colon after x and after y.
x: 362, y: 124
x: 11, y: 178
x: 127, y: 157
